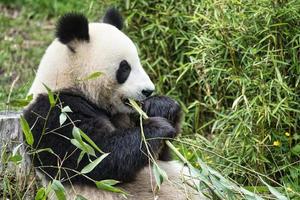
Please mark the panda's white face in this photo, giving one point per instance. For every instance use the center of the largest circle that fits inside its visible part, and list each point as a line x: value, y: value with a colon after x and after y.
x: 83, y: 48
x: 112, y: 53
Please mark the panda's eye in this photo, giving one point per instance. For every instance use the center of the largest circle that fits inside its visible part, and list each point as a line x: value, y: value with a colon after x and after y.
x: 123, y: 71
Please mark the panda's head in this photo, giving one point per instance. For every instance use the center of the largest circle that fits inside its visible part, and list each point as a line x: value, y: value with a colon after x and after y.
x: 83, y: 48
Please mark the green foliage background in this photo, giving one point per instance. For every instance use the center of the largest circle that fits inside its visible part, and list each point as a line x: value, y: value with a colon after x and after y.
x: 233, y: 65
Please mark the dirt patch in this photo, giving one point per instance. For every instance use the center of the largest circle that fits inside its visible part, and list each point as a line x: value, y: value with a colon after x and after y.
x: 10, y: 11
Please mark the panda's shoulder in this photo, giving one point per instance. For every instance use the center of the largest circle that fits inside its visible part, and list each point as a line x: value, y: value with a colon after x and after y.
x: 78, y: 104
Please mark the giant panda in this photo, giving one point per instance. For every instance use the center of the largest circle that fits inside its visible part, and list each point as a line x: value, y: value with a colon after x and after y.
x: 100, y: 109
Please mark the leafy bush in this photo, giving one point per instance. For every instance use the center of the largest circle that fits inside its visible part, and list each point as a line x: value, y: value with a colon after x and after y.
x: 235, y: 67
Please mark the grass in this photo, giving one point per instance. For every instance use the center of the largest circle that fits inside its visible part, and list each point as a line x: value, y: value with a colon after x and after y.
x: 233, y: 65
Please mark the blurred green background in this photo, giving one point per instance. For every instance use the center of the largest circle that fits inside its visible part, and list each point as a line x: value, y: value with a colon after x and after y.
x: 233, y: 65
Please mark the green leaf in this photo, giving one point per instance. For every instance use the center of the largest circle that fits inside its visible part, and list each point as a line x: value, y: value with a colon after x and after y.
x: 107, y: 185
x: 279, y: 77
x: 275, y: 192
x: 66, y: 109
x: 79, y: 197
x: 50, y: 96
x: 48, y: 189
x: 296, y: 150
x: 76, y: 133
x: 46, y: 149
x: 41, y: 194
x: 159, y: 174
x: 110, y: 182
x: 77, y: 144
x: 62, y: 118
x: 21, y: 102
x: 89, y: 149
x: 4, y: 155
x: 16, y: 158
x: 58, y: 189
x: 83, y: 146
x: 92, y: 76
x: 80, y: 157
x: 93, y: 164
x: 86, y: 137
x: 27, y: 132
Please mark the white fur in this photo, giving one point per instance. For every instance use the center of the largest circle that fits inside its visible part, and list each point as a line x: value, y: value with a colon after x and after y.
x: 144, y: 186
x: 60, y: 68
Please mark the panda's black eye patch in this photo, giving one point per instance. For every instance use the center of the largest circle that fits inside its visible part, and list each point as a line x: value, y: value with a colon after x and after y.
x: 123, y: 71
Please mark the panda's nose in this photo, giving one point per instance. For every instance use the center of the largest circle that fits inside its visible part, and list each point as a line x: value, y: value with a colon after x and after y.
x: 147, y: 93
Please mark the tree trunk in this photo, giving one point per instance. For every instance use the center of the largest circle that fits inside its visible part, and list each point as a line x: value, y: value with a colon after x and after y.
x: 11, y: 136
x: 10, y: 130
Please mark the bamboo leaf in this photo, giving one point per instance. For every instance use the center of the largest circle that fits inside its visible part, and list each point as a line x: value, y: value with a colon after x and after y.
x: 275, y: 192
x: 21, y: 102
x: 93, y: 164
x: 66, y: 109
x: 27, y: 132
x: 79, y: 197
x: 83, y: 146
x: 296, y: 150
x: 41, y: 194
x: 46, y: 149
x: 159, y: 174
x: 110, y: 182
x: 52, y: 100
x: 91, y: 142
x: 62, y: 118
x: 58, y: 189
x: 92, y: 76
x: 279, y: 77
x: 80, y: 157
x: 16, y: 158
x: 76, y: 132
x: 108, y: 186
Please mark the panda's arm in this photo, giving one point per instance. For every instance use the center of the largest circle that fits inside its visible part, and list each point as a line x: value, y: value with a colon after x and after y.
x: 127, y: 151
x: 168, y: 108
x: 125, y: 145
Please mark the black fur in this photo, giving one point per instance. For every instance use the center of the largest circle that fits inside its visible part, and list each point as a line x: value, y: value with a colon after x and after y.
x: 123, y: 141
x: 123, y: 72
x: 167, y: 108
x: 72, y: 26
x: 113, y: 17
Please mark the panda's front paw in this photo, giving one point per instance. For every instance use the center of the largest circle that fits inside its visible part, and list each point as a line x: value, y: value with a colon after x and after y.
x: 159, y: 127
x: 163, y: 106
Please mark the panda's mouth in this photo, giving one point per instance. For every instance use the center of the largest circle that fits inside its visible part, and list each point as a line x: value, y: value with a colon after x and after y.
x: 126, y: 102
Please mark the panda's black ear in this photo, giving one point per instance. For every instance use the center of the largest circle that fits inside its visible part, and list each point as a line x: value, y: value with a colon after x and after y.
x: 72, y: 26
x: 113, y: 17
